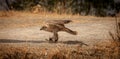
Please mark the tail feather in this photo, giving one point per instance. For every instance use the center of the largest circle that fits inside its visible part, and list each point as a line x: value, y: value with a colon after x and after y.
x: 60, y: 21
x: 66, y: 21
x: 70, y: 31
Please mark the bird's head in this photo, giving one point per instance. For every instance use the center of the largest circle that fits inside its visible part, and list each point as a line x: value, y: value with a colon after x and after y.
x: 43, y: 28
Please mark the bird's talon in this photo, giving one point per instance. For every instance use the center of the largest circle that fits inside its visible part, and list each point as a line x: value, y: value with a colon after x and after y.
x: 50, y: 39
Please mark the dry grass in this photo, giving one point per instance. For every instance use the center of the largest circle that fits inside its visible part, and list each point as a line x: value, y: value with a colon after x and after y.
x: 16, y: 19
x: 115, y: 42
x: 61, y: 52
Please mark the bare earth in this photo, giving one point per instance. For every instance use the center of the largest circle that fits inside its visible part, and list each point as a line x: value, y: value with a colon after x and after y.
x: 90, y: 31
x: 20, y: 34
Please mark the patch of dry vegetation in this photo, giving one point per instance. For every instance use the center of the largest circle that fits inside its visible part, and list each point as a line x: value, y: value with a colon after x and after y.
x: 61, y: 52
x: 104, y: 50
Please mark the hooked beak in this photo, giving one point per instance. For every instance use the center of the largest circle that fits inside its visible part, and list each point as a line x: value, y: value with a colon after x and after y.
x: 41, y: 28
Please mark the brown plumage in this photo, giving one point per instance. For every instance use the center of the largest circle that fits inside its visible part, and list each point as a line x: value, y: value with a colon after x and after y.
x: 55, y: 26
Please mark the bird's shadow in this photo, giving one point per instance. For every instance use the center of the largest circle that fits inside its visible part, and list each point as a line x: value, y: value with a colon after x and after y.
x: 19, y: 41
x: 36, y: 41
x: 75, y: 42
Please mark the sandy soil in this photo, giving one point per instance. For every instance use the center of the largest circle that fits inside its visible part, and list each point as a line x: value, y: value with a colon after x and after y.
x: 89, y: 33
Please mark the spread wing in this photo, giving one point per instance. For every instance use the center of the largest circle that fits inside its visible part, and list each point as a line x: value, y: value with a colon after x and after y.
x: 59, y: 21
x: 56, y: 23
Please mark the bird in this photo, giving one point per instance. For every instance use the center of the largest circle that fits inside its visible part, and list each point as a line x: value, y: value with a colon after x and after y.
x: 55, y: 26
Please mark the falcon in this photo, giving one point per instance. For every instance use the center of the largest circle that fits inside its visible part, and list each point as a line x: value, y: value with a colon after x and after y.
x: 55, y: 26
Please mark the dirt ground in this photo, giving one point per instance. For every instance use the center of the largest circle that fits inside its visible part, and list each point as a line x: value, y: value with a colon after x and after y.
x: 21, y: 32
x: 21, y: 29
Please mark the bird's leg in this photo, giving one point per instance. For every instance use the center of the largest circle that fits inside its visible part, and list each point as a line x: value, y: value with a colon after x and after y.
x: 55, y: 37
